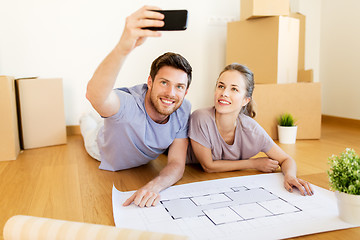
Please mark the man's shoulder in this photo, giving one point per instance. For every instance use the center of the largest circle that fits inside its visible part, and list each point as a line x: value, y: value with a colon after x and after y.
x: 182, y: 114
x: 132, y: 96
x: 184, y: 110
x: 137, y: 90
x: 186, y: 106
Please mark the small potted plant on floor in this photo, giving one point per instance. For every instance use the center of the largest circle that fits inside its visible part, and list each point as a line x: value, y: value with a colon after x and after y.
x: 287, y: 129
x: 344, y: 177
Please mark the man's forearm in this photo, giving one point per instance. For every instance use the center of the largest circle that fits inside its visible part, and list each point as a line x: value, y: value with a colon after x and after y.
x: 168, y: 176
x: 103, y: 80
x: 149, y: 195
x: 101, y: 84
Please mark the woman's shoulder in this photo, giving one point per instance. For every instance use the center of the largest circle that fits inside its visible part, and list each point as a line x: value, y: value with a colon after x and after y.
x: 253, y: 132
x: 202, y: 117
x: 249, y: 124
x: 203, y: 113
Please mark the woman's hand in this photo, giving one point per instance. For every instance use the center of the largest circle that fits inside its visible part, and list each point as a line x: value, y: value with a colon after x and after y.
x: 303, y: 186
x: 265, y: 164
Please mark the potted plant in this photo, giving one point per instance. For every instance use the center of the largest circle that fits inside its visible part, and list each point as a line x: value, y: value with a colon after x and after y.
x: 287, y: 129
x: 344, y: 177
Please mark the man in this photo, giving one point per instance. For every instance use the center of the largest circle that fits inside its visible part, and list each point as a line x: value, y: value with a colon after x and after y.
x: 143, y: 121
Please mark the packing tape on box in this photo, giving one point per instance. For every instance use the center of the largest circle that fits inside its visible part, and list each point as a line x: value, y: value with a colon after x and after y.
x: 27, y: 227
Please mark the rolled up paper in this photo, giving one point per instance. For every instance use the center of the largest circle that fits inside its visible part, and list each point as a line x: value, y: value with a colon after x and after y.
x: 27, y: 227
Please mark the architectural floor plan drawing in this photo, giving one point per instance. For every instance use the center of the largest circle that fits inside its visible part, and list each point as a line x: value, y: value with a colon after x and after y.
x: 253, y: 207
x: 240, y: 204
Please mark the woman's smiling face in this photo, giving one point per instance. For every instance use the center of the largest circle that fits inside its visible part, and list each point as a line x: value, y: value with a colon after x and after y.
x: 230, y: 93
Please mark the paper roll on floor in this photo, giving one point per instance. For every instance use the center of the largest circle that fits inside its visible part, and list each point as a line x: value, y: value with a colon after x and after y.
x: 27, y: 227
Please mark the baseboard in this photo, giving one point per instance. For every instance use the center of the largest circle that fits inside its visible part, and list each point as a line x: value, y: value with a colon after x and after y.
x: 73, y: 130
x: 340, y: 120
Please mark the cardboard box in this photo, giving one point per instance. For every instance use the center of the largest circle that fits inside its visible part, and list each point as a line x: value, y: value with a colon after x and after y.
x: 263, y: 8
x: 306, y: 76
x: 302, y: 100
x: 41, y: 106
x: 9, y: 135
x: 303, y: 75
x: 268, y: 46
x: 302, y: 22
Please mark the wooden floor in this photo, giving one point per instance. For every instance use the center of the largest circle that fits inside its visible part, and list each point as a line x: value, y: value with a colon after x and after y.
x: 63, y: 182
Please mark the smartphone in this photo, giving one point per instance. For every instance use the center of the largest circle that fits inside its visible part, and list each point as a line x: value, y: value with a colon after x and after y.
x: 175, y: 20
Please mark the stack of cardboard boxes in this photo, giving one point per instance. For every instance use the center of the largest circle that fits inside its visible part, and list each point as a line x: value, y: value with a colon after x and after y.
x: 32, y: 114
x: 271, y: 42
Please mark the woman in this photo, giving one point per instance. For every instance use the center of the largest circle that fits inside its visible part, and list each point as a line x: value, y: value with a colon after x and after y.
x: 225, y: 137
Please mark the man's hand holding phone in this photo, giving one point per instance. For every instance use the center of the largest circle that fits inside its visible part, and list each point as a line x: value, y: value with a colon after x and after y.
x: 147, y: 22
x: 135, y: 32
x: 175, y: 20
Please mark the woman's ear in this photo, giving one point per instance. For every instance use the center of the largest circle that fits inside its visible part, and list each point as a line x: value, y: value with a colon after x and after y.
x: 246, y: 101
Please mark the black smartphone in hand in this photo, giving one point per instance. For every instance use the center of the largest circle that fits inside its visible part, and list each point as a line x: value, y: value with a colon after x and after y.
x: 175, y: 20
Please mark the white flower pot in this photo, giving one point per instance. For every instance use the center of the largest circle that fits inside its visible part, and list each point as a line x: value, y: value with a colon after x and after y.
x: 287, y: 135
x: 349, y: 207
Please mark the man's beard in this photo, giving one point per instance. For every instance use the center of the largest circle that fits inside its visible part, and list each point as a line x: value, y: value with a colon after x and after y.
x: 156, y: 103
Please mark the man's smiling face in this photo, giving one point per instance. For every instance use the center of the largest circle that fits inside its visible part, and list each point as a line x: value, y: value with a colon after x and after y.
x: 167, y: 90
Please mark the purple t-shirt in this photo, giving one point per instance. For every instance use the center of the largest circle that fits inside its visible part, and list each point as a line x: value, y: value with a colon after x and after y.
x: 250, y: 137
x: 130, y: 138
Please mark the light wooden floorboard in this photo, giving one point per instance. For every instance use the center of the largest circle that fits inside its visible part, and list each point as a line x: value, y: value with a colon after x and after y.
x: 63, y: 182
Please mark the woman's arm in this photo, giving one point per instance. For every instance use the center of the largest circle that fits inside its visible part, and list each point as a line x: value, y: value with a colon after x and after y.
x: 288, y: 168
x: 276, y: 157
x: 204, y: 156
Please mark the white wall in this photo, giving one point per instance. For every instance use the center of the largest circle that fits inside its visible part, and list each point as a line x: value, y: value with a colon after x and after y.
x: 339, y: 58
x: 69, y: 38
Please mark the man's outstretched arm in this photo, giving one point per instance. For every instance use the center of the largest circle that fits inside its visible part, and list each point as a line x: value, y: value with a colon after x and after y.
x: 99, y: 89
x: 149, y: 195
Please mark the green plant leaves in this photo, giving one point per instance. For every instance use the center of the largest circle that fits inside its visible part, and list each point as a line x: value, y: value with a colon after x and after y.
x: 286, y: 120
x: 344, y: 173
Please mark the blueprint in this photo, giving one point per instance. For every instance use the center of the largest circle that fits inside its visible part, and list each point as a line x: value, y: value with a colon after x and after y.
x: 252, y: 207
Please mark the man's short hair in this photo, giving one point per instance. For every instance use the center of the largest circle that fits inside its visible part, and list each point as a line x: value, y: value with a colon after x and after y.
x: 172, y: 60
